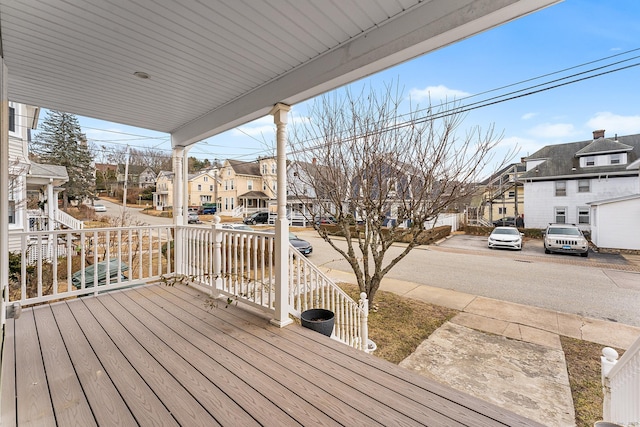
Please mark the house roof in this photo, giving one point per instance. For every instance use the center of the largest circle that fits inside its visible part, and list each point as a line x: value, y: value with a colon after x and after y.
x: 603, y: 145
x: 245, y: 168
x: 254, y: 195
x: 38, y: 170
x: 215, y: 65
x: 615, y: 200
x: 563, y: 160
x: 520, y: 168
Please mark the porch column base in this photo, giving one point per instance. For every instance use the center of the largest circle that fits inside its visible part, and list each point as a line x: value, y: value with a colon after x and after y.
x: 281, y: 324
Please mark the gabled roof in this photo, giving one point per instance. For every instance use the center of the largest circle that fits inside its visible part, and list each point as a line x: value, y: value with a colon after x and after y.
x: 245, y: 168
x: 507, y: 170
x: 562, y: 160
x: 603, y: 146
x: 254, y: 195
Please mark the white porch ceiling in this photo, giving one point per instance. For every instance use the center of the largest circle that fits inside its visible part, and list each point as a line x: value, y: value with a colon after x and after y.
x: 216, y: 64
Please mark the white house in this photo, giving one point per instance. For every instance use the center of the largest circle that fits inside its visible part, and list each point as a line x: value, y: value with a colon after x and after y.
x: 566, y: 183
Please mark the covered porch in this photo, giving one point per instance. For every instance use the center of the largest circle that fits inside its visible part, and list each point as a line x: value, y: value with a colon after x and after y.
x: 196, y: 70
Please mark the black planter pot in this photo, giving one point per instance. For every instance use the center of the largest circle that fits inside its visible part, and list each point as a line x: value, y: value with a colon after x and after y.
x: 319, y: 320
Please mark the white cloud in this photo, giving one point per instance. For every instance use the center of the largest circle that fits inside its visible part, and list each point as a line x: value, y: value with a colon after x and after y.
x: 436, y: 93
x: 552, y: 130
x: 615, y: 124
x: 528, y: 116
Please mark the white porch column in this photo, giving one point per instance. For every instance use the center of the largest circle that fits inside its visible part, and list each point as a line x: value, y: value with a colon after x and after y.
x: 52, y: 204
x: 4, y: 189
x: 281, y: 317
x: 178, y: 200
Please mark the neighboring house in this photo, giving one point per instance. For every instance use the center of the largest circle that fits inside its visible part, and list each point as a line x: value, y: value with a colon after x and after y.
x: 137, y: 176
x: 502, y: 194
x: 27, y: 177
x: 568, y: 183
x: 201, y: 189
x: 249, y: 185
x: 163, y: 196
x: 302, y: 198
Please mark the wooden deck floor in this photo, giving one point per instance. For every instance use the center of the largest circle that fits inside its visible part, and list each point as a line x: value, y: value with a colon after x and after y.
x: 156, y: 356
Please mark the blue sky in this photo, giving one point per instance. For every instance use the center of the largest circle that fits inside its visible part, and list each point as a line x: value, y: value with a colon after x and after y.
x: 574, y: 33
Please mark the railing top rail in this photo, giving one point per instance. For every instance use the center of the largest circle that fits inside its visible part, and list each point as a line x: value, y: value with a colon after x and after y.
x: 628, y: 355
x: 91, y: 230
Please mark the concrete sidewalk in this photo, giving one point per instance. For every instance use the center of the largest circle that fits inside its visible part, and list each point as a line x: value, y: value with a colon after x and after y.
x: 506, y: 353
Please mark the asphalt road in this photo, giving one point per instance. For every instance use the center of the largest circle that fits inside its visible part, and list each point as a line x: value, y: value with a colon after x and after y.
x: 597, y: 287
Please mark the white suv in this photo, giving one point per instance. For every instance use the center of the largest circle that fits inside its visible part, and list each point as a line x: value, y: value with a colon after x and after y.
x: 565, y: 238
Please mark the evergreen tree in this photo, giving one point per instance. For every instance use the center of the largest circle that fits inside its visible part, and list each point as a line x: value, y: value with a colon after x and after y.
x: 61, y: 142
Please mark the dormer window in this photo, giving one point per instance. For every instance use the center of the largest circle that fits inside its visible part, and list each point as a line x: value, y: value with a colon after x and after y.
x: 615, y: 159
x: 590, y: 161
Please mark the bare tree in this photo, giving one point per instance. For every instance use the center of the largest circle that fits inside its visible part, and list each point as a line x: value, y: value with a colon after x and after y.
x: 382, y: 175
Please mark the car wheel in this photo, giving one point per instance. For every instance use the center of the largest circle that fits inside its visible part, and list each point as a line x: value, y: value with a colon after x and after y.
x: 546, y: 251
x: 585, y: 254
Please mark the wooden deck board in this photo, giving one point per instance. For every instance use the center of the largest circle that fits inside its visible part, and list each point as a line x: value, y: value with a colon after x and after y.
x: 126, y: 354
x: 67, y: 397
x: 34, y: 403
x: 323, y: 381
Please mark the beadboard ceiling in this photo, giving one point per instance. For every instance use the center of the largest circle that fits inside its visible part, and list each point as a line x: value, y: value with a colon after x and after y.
x: 216, y: 64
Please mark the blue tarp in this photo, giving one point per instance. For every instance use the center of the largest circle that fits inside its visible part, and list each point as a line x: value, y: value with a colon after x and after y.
x: 76, y: 279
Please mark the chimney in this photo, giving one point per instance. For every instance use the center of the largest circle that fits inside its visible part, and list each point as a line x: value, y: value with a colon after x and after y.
x: 598, y: 134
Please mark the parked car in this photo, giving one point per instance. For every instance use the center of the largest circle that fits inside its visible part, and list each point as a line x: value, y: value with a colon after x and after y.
x: 565, y: 238
x: 505, y: 237
x: 301, y: 245
x: 257, y: 218
x: 235, y: 226
x: 324, y: 219
x: 505, y: 221
x: 193, y: 218
x: 208, y: 210
x: 99, y: 207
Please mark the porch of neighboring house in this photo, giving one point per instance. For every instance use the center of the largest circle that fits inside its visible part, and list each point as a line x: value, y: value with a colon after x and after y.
x: 162, y: 355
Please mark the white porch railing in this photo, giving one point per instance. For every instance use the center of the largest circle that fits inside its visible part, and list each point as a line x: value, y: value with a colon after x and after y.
x: 246, y: 272
x: 310, y: 288
x: 66, y: 263
x: 621, y: 385
x: 68, y: 221
x: 237, y: 264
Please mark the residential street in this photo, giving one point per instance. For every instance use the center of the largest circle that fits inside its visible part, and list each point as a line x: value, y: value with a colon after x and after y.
x: 594, y: 287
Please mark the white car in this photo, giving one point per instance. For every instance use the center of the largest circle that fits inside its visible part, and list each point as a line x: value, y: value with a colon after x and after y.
x: 565, y: 238
x: 99, y: 207
x: 505, y: 237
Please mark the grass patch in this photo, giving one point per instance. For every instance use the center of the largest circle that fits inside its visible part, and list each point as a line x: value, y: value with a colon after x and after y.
x: 583, y: 365
x: 398, y: 325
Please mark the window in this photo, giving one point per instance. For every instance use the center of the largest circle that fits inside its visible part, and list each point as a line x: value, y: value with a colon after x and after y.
x: 584, y: 186
x: 250, y: 184
x: 264, y: 169
x: 250, y: 202
x: 226, y: 184
x: 229, y: 172
x: 502, y: 211
x: 615, y: 159
x: 211, y: 188
x: 512, y: 194
x: 583, y: 215
x: 226, y: 203
x: 232, y: 201
x: 561, y: 188
x: 264, y: 186
x: 206, y: 179
x: 12, y: 212
x: 273, y: 168
x: 199, y: 187
x: 232, y: 184
x: 561, y: 215
x: 12, y: 119
x: 590, y: 161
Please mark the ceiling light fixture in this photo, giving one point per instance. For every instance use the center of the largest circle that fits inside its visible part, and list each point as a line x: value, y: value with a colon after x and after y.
x: 142, y: 75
